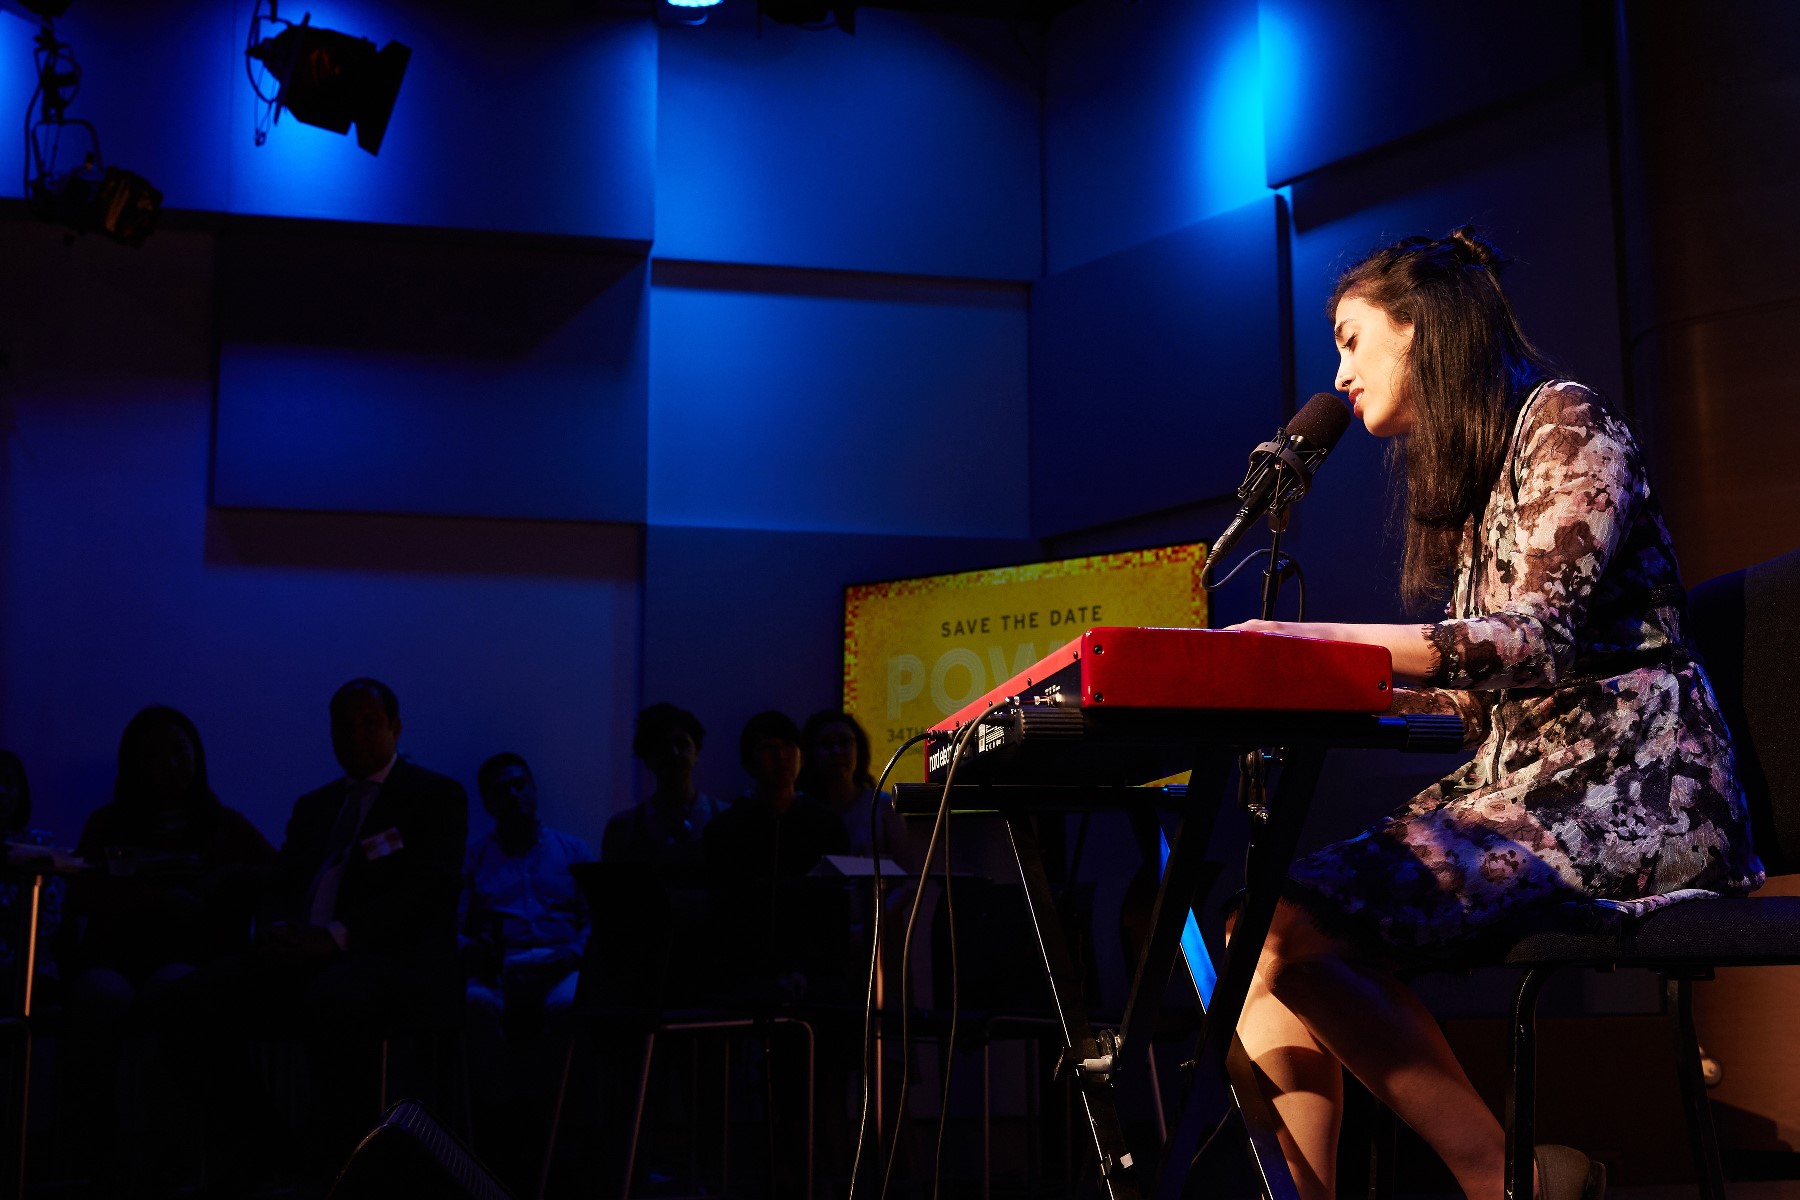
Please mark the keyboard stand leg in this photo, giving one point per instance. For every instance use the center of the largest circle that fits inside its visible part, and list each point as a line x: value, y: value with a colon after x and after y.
x: 1117, y: 1179
x: 1272, y: 841
x: 1184, y: 877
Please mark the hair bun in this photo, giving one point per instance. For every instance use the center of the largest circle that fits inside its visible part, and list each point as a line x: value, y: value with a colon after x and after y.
x: 1474, y: 249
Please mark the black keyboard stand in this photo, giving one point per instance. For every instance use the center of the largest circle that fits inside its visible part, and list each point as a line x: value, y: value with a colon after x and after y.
x: 1187, y: 816
x: 1102, y: 1060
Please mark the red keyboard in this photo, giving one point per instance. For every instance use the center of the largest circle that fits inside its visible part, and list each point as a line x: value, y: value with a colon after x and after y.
x: 1152, y: 672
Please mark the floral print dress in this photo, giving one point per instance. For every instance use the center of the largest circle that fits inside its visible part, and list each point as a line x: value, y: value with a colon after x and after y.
x: 1603, y: 769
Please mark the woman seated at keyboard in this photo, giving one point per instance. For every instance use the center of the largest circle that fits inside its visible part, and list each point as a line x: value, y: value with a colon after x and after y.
x: 1603, y: 771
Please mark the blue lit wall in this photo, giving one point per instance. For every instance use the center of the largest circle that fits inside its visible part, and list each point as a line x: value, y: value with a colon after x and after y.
x: 779, y: 402
x: 1154, y: 371
x: 121, y: 587
x: 911, y: 147
x: 430, y: 376
x: 1153, y: 120
x: 1341, y: 79
x: 813, y: 309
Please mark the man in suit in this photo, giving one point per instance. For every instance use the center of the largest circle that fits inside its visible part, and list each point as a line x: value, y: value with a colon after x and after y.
x: 372, y: 863
x: 362, y: 945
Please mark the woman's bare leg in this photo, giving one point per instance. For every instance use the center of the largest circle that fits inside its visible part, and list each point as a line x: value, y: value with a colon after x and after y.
x: 1377, y: 1028
x: 1305, y: 1083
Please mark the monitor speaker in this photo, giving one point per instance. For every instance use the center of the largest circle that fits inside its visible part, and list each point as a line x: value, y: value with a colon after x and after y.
x: 409, y: 1154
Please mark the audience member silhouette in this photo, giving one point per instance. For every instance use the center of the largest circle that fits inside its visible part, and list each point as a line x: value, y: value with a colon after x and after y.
x: 173, y: 884
x: 788, y: 941
x: 774, y: 830
x: 835, y: 771
x: 524, y: 920
x: 789, y: 937
x: 22, y: 839
x: 363, y: 937
x: 667, y: 829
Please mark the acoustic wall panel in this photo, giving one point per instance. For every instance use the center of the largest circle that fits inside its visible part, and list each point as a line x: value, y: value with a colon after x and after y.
x: 1152, y: 121
x: 1339, y: 79
x: 1155, y: 370
x: 368, y: 373
x: 911, y: 147
x: 120, y: 588
x: 801, y: 400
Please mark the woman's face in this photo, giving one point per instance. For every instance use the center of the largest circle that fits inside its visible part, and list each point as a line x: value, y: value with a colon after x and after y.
x: 1371, y: 365
x: 833, y: 751
x: 12, y: 792
x: 164, y: 762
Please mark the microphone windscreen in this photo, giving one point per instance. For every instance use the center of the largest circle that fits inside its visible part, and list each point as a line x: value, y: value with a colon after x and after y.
x: 1321, y: 421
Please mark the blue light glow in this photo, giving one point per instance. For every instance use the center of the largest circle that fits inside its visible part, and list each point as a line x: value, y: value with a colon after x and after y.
x: 1230, y: 159
x: 1193, y: 946
x: 1285, y: 95
x: 16, y: 82
x: 696, y: 3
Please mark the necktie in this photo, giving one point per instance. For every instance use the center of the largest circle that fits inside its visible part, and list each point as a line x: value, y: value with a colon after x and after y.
x: 358, y: 794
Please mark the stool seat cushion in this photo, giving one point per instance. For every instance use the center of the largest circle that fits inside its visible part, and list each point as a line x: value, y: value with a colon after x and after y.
x: 1731, y: 932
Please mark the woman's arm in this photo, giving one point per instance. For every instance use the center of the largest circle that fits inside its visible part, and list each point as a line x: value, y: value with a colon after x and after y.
x: 1415, y: 657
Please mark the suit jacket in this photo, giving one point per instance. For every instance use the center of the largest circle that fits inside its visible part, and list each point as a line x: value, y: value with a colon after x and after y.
x: 399, y: 891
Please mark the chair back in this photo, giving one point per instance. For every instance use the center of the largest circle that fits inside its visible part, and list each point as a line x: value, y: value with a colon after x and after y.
x: 1746, y: 626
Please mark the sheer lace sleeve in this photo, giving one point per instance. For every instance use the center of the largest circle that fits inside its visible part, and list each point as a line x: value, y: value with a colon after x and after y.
x: 1579, y: 477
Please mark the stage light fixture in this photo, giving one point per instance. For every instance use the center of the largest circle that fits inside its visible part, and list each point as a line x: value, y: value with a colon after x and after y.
x: 90, y: 198
x: 327, y: 79
x: 684, y: 12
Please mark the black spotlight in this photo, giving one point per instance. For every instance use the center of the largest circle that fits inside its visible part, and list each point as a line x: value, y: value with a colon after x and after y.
x: 328, y: 79
x: 120, y: 204
x: 90, y: 198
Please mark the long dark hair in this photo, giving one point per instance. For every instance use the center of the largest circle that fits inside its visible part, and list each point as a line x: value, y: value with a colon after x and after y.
x: 816, y: 725
x: 1469, y: 369
x: 13, y: 765
x: 129, y: 790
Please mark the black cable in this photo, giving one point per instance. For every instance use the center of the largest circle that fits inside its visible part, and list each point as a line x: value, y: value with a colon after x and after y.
x: 937, y: 1158
x: 869, y: 1006
x: 1233, y: 573
x: 912, y: 919
x: 1287, y: 564
x: 265, y: 117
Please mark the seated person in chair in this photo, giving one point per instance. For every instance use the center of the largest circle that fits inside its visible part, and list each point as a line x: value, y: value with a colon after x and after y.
x: 666, y: 829
x: 524, y: 922
x: 173, y: 884
x: 363, y: 942
x: 1604, y: 770
x: 788, y: 936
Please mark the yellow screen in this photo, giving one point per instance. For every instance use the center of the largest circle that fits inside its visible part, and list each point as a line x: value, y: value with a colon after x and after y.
x: 916, y: 650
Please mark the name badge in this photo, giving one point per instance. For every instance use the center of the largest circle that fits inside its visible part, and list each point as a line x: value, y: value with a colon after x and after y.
x: 382, y: 844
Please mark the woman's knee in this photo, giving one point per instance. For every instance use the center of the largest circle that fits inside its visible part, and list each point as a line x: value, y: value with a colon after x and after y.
x: 1295, y: 952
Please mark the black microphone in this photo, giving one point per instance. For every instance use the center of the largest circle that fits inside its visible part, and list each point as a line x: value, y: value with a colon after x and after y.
x: 1281, y: 469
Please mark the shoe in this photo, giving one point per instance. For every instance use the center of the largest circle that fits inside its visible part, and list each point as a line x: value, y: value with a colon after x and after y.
x: 1712, y: 1071
x: 1565, y: 1173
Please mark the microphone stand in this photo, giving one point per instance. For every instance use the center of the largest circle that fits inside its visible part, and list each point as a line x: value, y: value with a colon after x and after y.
x: 1253, y: 775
